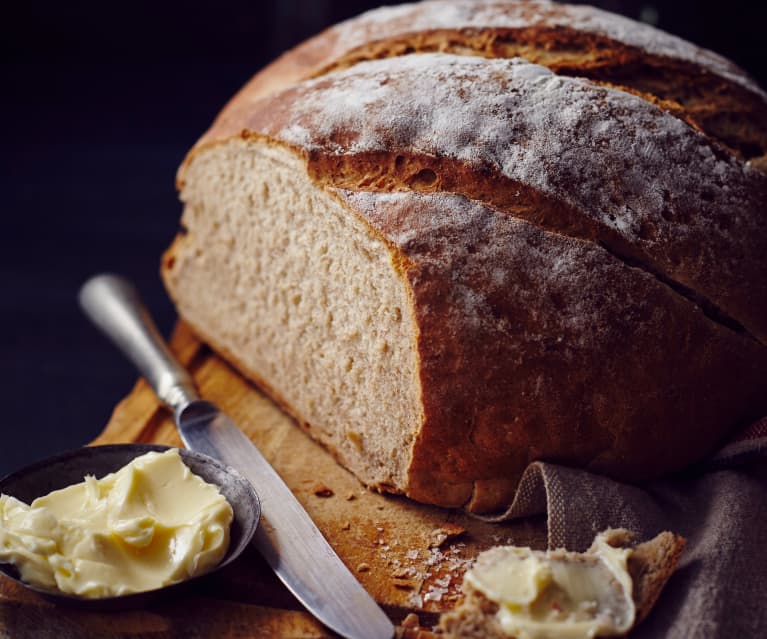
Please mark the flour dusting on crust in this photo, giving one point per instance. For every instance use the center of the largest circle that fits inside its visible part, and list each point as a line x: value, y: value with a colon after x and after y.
x: 527, y: 123
x: 389, y: 22
x: 471, y: 243
x: 648, y: 183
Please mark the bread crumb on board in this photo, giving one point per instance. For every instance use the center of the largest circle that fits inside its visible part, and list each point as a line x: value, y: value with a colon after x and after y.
x: 410, y: 628
x: 439, y: 536
x: 321, y: 490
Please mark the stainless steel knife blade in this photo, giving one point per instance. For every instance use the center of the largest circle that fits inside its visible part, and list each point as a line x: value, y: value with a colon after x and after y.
x: 286, y: 536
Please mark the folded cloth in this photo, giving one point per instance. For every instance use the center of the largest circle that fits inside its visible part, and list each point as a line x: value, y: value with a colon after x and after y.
x: 719, y: 590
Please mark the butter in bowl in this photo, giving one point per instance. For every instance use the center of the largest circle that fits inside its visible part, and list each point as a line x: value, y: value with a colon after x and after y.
x: 158, y: 517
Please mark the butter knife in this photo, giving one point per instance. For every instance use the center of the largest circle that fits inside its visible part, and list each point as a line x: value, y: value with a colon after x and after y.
x: 286, y: 536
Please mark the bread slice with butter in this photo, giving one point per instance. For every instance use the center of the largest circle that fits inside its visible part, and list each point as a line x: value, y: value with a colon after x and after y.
x: 606, y: 591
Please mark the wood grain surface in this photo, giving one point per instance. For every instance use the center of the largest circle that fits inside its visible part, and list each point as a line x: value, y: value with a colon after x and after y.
x: 409, y: 556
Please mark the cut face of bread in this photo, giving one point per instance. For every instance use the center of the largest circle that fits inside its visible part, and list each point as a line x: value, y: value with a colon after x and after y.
x: 306, y: 298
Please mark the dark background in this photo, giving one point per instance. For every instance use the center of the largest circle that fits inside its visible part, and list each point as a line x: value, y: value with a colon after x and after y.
x: 99, y: 102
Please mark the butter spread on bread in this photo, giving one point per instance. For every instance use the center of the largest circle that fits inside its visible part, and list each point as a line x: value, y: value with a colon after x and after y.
x: 557, y: 594
x: 527, y: 594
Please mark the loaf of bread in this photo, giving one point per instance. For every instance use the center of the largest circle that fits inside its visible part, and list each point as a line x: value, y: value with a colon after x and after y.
x: 454, y: 237
x: 649, y: 567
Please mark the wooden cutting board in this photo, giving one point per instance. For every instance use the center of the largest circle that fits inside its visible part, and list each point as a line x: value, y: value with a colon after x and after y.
x: 409, y: 556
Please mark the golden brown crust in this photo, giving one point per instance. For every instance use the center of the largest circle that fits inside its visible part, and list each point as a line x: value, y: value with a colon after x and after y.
x: 651, y: 566
x: 639, y: 359
x: 513, y: 383
x: 512, y: 379
x: 535, y: 342
x: 726, y: 111
x: 714, y: 95
x: 691, y: 214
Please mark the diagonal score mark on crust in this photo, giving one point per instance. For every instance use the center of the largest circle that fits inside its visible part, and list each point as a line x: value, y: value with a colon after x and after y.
x: 557, y: 26
x: 497, y: 296
x: 572, y: 40
x: 382, y: 172
x: 431, y: 175
x: 575, y: 157
x: 709, y: 309
x: 678, y: 87
x: 424, y: 174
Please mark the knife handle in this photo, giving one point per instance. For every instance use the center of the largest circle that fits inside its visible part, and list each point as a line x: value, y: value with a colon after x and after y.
x: 114, y: 305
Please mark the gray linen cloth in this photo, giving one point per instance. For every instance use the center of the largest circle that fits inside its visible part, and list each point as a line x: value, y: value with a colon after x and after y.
x: 719, y: 590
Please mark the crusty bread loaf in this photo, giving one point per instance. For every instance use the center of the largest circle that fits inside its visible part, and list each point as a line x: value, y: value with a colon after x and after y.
x: 650, y: 566
x: 446, y: 265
